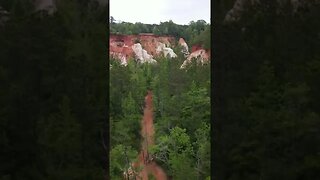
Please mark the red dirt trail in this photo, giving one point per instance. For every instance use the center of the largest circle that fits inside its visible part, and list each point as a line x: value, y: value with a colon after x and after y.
x: 147, y: 132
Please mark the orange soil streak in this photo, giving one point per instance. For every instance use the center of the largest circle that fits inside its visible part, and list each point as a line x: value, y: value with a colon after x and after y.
x: 147, y: 132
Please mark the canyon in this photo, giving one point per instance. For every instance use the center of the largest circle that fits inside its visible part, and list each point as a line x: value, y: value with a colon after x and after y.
x: 146, y: 47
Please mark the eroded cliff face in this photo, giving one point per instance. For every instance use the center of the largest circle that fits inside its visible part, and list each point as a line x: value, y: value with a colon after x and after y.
x: 142, y: 55
x: 141, y: 47
x: 185, y: 48
x: 202, y: 56
x: 144, y: 48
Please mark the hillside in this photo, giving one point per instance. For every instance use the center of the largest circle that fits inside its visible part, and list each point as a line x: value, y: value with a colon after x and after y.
x: 144, y: 47
x: 151, y: 134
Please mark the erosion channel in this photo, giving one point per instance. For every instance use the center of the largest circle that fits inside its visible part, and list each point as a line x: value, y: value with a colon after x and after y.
x: 145, y: 162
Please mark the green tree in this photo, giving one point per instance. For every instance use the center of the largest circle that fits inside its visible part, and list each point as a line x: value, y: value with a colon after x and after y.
x: 174, y: 149
x: 203, y: 146
x: 60, y: 136
x: 121, y: 159
x: 265, y: 112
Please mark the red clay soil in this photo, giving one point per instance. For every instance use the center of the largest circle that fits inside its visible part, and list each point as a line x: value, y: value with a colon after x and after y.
x: 147, y: 132
x: 123, y: 43
x: 198, y: 47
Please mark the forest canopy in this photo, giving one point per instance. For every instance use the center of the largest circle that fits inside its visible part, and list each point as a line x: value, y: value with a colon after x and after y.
x: 181, y: 107
x: 53, y: 91
x: 266, y: 105
x: 196, y: 32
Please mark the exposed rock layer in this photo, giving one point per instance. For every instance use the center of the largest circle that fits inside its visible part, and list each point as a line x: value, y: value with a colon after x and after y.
x: 145, y: 47
x: 141, y: 47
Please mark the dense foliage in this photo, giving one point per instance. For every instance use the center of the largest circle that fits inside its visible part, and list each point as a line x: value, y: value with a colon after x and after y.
x: 181, y: 101
x: 196, y: 32
x: 266, y: 95
x: 53, y: 91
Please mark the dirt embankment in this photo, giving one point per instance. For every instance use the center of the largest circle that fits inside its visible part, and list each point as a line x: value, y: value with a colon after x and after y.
x: 147, y: 131
x: 122, y: 44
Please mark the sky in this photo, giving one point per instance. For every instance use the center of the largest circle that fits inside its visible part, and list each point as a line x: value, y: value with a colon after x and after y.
x: 156, y: 11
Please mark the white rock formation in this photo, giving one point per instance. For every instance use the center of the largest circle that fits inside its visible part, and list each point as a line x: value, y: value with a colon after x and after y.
x: 160, y: 47
x: 167, y: 52
x: 185, y: 48
x: 142, y: 55
x: 121, y: 57
x: 201, y: 56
